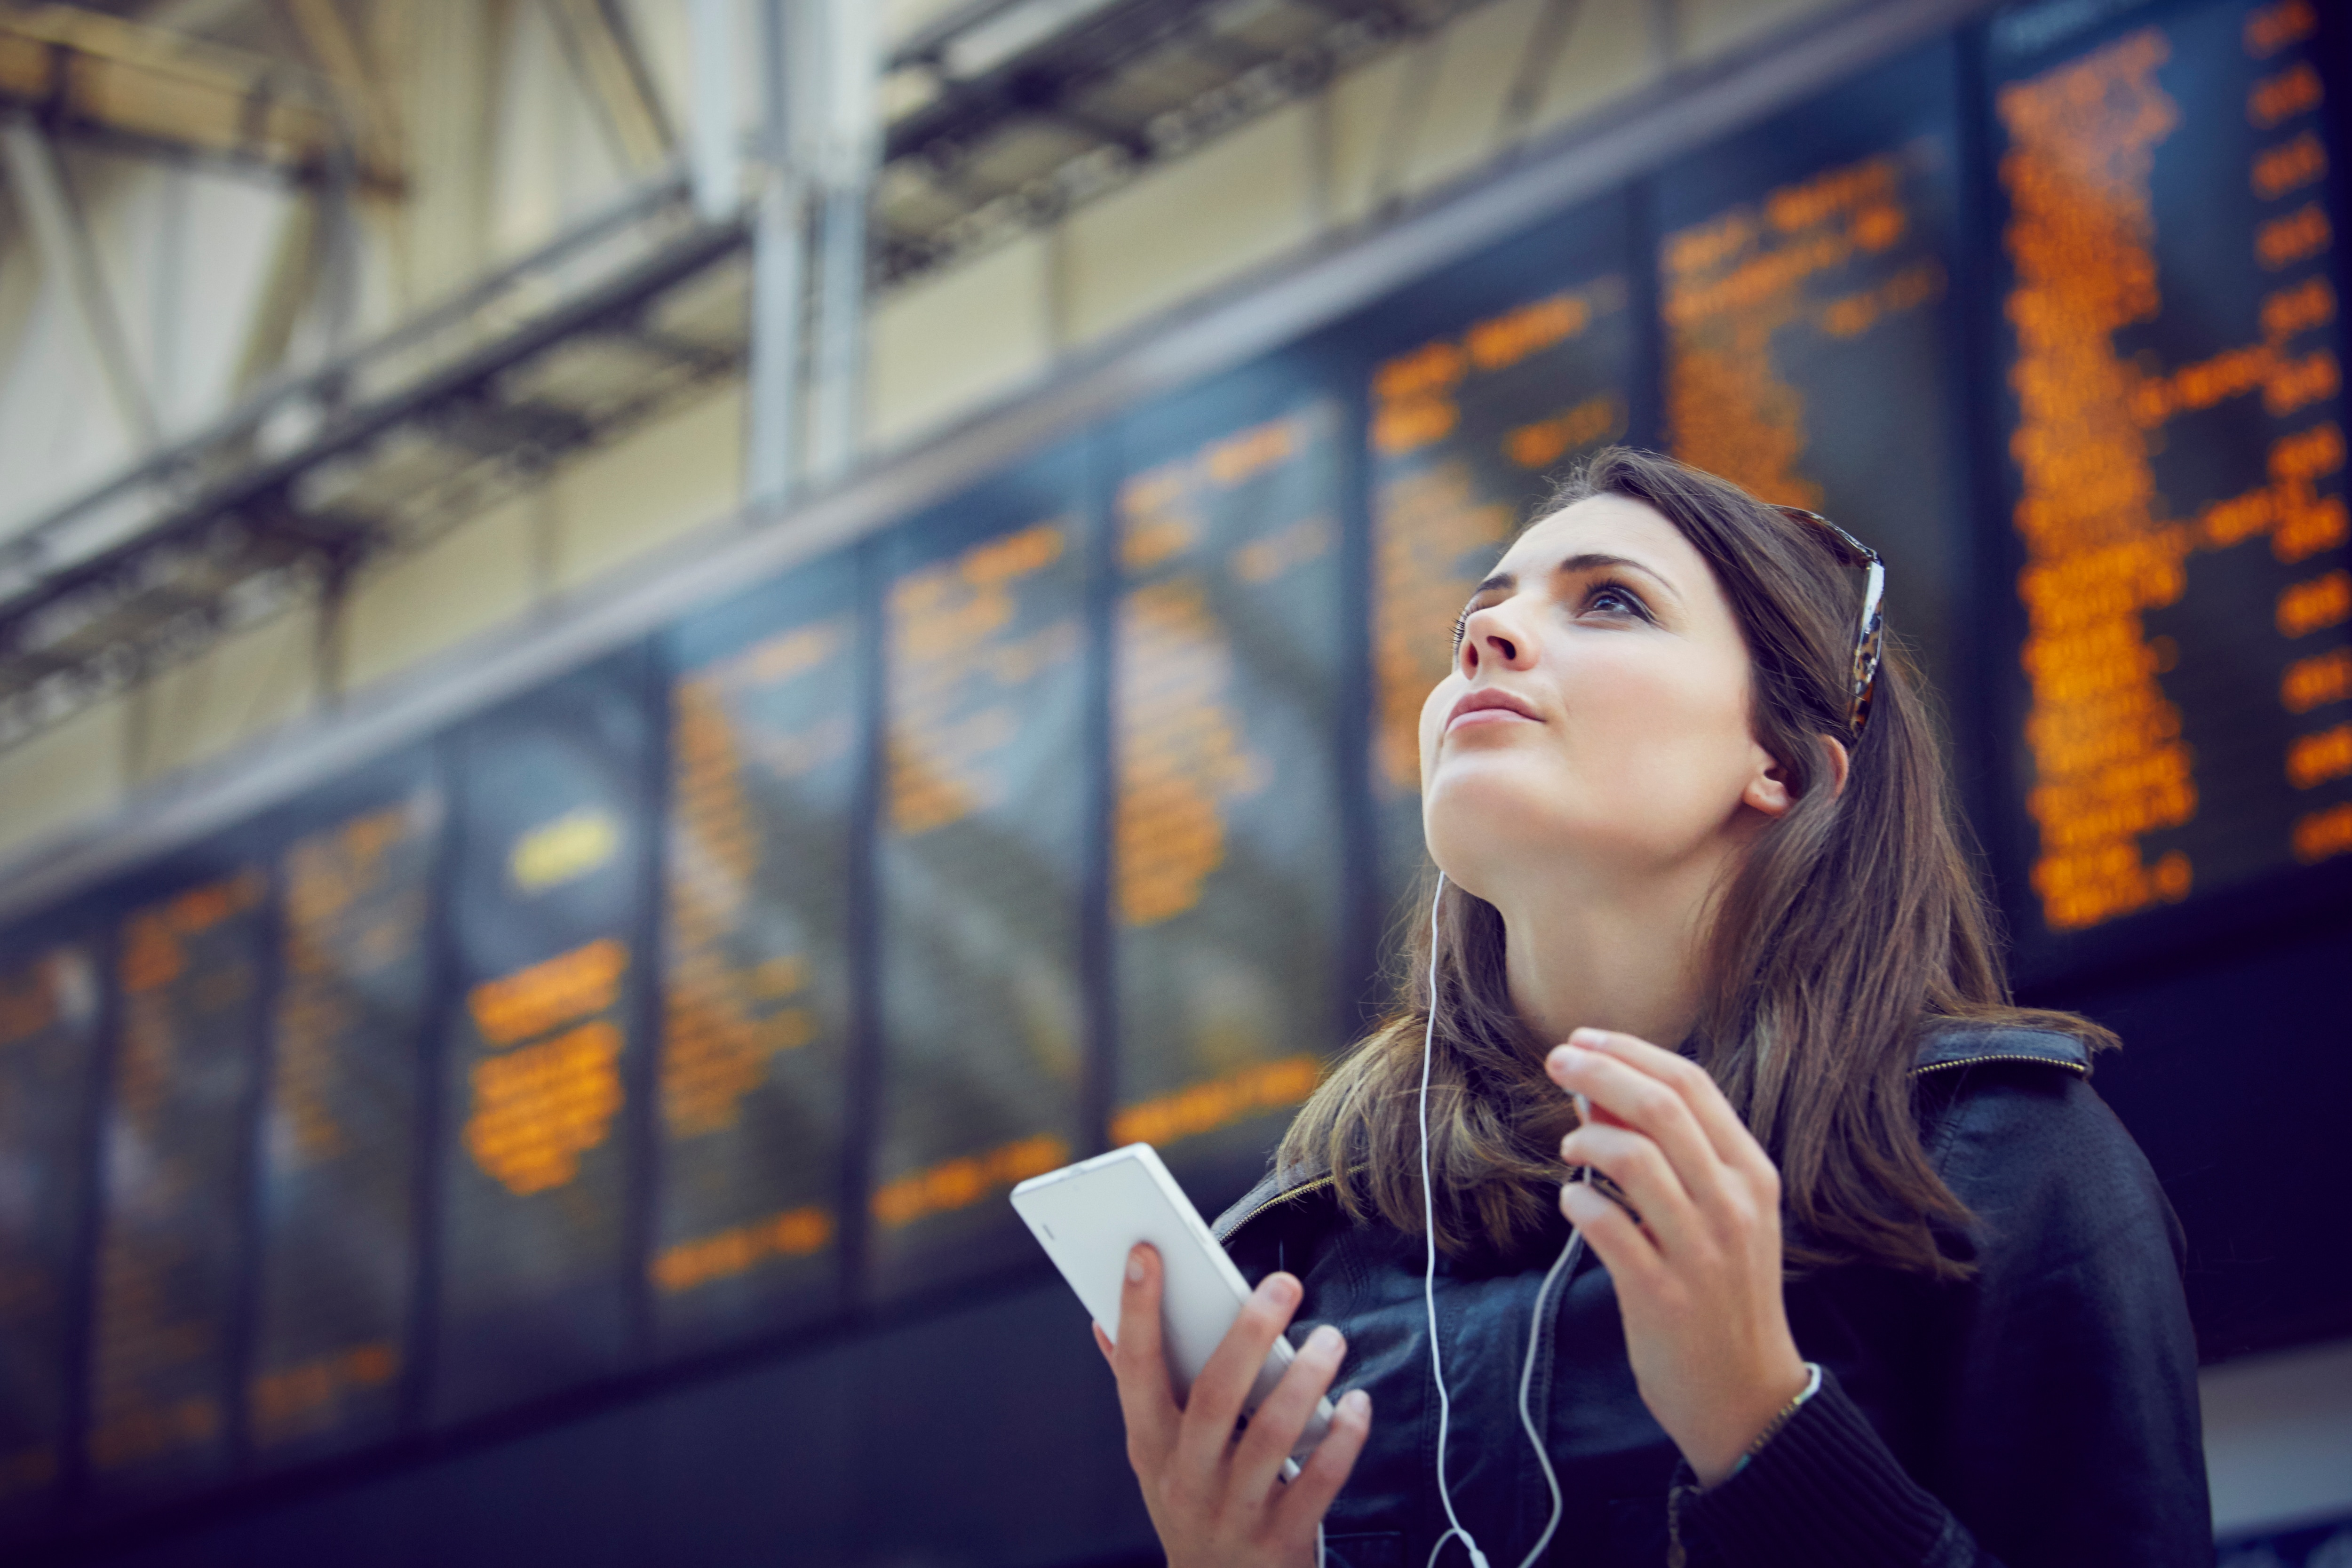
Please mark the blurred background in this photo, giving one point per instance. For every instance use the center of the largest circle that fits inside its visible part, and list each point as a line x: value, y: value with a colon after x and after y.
x: 648, y: 648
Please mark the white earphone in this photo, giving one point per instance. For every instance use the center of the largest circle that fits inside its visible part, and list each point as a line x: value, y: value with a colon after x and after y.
x: 1429, y: 1296
x: 1561, y: 1266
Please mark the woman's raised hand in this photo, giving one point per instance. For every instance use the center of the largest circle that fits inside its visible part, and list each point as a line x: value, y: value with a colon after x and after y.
x: 1698, y: 1277
x: 1215, y: 1494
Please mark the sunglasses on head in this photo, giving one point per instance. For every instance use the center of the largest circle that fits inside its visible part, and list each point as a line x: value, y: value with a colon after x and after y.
x: 1868, y: 641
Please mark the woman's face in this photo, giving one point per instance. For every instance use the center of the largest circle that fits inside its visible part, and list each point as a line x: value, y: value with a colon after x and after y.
x: 1596, y: 716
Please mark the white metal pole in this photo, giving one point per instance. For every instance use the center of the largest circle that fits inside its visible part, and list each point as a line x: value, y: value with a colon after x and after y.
x: 779, y: 280
x: 848, y: 132
x: 714, y: 125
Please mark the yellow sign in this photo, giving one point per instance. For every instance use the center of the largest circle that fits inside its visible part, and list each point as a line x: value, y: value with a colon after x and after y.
x: 565, y: 849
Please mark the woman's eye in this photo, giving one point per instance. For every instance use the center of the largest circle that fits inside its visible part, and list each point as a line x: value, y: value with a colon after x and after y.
x: 1614, y: 600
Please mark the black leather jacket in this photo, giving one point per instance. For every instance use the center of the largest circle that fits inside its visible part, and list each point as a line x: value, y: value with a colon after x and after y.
x: 2044, y: 1412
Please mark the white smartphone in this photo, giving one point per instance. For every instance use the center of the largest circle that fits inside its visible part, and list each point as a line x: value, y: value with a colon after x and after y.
x: 1090, y: 1215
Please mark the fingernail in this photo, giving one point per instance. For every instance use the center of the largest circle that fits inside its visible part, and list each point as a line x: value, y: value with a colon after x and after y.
x: 1324, y: 1341
x: 1278, y: 1290
x: 1135, y: 1266
x: 1356, y: 1403
x: 1588, y: 1037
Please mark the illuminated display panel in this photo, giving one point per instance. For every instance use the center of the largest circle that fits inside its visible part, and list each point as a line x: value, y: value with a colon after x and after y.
x: 767, y: 755
x: 2176, y: 433
x: 189, y: 979
x: 1226, y: 825
x: 548, y: 921
x: 988, y: 811
x: 1487, y: 382
x: 338, y: 1128
x: 1804, y: 273
x: 48, y: 1041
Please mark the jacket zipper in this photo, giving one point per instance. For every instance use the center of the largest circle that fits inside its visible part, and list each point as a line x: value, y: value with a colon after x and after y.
x: 1299, y: 1191
x: 2001, y: 1056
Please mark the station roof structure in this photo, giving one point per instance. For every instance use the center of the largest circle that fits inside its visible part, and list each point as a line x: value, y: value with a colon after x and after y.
x: 1002, y: 116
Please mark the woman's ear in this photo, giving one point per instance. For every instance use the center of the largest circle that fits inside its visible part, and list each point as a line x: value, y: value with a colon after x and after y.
x: 1767, y: 785
x: 1834, y: 750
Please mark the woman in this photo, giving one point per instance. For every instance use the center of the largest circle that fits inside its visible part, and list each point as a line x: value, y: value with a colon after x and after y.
x: 1879, y: 1279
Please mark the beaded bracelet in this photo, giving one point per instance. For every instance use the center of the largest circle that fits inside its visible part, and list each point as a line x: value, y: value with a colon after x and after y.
x: 1772, y: 1427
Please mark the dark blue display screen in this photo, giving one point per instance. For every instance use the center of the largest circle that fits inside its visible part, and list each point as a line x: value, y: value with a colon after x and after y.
x: 49, y: 1003
x: 542, y: 1041
x: 2177, y: 717
x: 768, y: 698
x: 190, y: 957
x: 987, y: 820
x: 339, y: 1137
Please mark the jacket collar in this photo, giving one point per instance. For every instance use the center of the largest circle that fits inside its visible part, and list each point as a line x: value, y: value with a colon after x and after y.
x: 1951, y: 1047
x: 1959, y: 1045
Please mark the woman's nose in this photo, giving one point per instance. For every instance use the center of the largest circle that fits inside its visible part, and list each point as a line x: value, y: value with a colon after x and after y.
x: 1489, y: 636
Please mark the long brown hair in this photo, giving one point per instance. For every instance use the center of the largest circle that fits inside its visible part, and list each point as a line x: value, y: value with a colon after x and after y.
x: 1855, y: 920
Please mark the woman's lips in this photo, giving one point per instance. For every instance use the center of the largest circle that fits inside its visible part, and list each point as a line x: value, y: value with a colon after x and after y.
x: 1490, y: 705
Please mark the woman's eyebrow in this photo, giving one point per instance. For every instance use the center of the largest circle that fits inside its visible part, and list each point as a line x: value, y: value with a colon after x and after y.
x: 1589, y: 561
x: 1601, y: 562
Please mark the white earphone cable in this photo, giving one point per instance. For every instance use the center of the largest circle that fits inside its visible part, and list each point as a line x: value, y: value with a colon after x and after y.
x: 1429, y: 1275
x: 1564, y: 1264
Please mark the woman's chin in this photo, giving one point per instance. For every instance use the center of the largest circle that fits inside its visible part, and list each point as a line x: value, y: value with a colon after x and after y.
x: 1482, y: 818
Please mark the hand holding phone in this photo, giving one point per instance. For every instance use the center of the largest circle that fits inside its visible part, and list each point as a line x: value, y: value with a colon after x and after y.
x: 1211, y: 1493
x: 1089, y: 1217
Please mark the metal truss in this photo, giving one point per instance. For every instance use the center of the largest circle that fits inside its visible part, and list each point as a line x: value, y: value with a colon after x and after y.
x: 382, y: 449
x: 616, y: 322
x: 1009, y: 145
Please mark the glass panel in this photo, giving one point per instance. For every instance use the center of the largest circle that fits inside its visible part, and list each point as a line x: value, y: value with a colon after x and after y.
x: 338, y: 1128
x: 547, y: 912
x: 188, y: 967
x: 1804, y: 269
x: 767, y: 741
x: 48, y: 1039
x: 2177, y: 431
x: 988, y: 813
x: 1227, y: 887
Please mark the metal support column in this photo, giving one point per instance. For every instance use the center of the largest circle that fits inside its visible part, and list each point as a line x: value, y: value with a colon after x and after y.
x: 714, y: 126
x: 846, y: 136
x: 779, y: 279
x: 838, y: 403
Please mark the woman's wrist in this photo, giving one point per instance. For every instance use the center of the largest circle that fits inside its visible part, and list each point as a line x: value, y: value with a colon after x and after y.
x: 1719, y: 1457
x: 1788, y: 1411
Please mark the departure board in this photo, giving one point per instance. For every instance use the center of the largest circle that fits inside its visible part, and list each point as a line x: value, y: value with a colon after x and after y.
x: 732, y: 980
x: 189, y: 976
x: 1225, y: 875
x: 339, y: 1131
x: 989, y: 810
x: 2175, y: 370
x: 548, y: 917
x: 1487, y: 382
x: 767, y: 760
x: 1804, y: 269
x: 49, y: 1038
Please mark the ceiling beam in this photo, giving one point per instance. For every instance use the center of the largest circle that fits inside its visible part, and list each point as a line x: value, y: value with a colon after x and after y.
x: 86, y: 72
x: 604, y: 56
x: 70, y: 262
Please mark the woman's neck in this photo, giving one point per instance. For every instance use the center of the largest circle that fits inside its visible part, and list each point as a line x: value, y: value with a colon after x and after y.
x: 1609, y: 954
